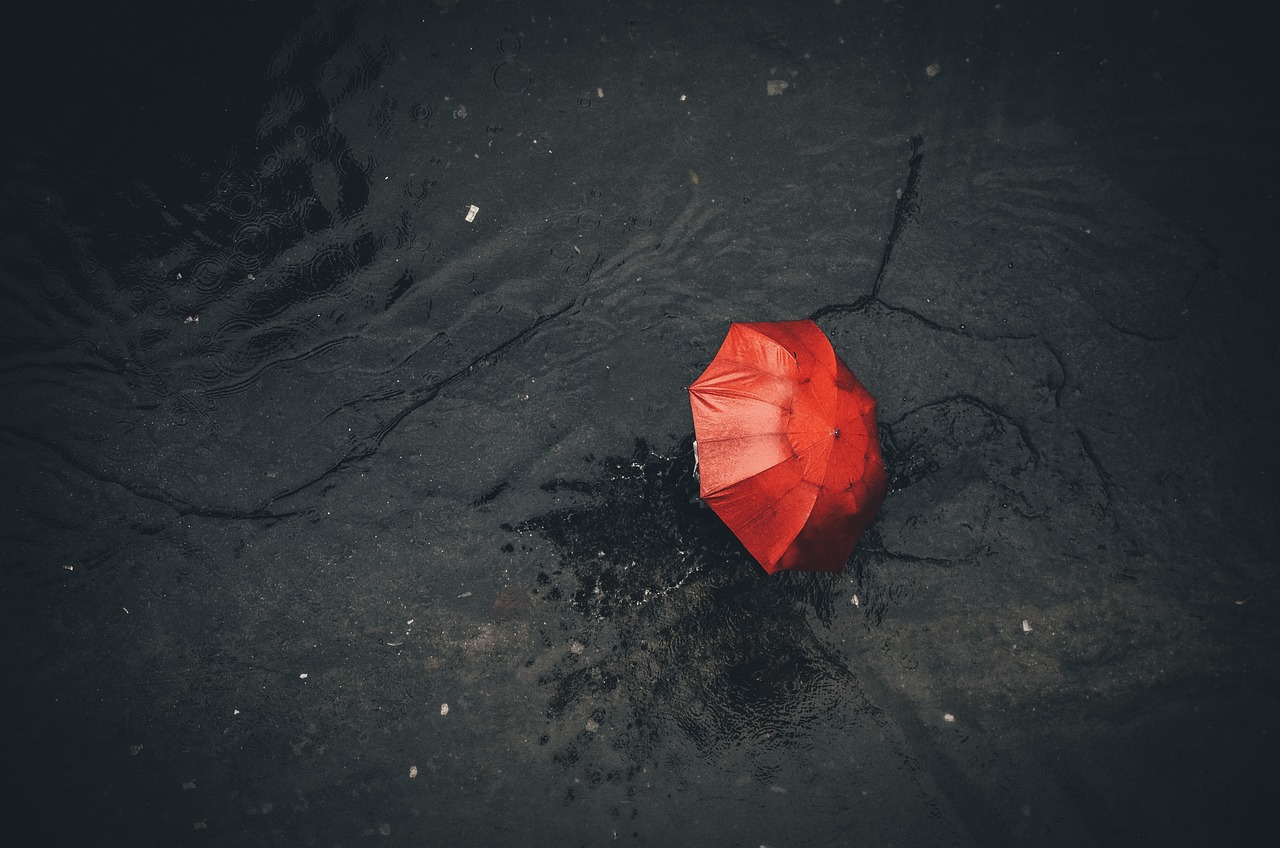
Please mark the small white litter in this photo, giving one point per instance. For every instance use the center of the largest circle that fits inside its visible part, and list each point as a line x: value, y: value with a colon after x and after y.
x: 472, y: 212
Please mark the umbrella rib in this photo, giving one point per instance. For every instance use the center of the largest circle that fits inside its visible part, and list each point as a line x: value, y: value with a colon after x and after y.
x: 764, y: 509
x: 790, y: 445
x: 737, y: 394
x: 743, y: 365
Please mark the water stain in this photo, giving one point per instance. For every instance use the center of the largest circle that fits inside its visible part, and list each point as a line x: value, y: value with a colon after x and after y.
x: 672, y: 627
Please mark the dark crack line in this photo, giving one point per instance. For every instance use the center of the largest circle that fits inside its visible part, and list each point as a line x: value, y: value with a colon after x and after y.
x: 1138, y: 334
x: 903, y: 212
x: 961, y: 331
x: 1013, y: 493
x: 842, y: 308
x: 1210, y: 264
x: 384, y: 394
x: 865, y: 302
x: 988, y: 407
x: 1175, y: 334
x: 184, y: 508
x: 369, y: 445
x: 420, y: 348
x: 1103, y: 477
x: 156, y: 494
x: 492, y: 494
x: 1062, y: 384
x: 906, y: 209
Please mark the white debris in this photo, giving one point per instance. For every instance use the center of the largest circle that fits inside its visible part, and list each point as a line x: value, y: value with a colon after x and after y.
x: 413, y: 772
x: 302, y: 676
x: 599, y: 92
x: 775, y: 87
x: 933, y: 70
x: 576, y: 647
x: 472, y: 212
x: 948, y: 717
x: 854, y: 600
x: 592, y: 725
x: 1026, y: 626
x: 444, y: 709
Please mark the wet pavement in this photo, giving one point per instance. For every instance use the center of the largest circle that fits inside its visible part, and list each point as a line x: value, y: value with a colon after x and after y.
x: 346, y: 448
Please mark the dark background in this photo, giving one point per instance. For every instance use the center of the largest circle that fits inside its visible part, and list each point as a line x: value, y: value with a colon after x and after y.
x: 293, y: 455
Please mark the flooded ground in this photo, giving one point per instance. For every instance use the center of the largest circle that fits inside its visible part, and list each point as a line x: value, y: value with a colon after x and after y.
x: 347, y: 455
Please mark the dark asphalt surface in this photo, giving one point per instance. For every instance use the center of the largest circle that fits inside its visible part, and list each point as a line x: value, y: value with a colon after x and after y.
x: 336, y: 513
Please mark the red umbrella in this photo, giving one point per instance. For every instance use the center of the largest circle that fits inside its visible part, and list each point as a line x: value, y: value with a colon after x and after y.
x: 787, y: 448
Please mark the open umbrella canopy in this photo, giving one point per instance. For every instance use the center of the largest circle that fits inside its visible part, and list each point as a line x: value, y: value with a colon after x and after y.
x: 788, y: 451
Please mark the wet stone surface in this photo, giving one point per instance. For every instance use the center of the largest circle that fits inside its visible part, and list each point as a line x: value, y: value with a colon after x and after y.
x: 678, y: 630
x: 345, y: 424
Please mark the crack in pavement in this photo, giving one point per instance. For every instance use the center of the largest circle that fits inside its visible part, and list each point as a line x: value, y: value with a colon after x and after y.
x: 361, y: 449
x: 183, y: 508
x: 367, y: 445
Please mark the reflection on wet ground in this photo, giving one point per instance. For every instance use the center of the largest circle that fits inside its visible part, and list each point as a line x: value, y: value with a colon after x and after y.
x: 295, y: 436
x: 688, y: 634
